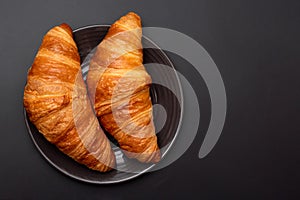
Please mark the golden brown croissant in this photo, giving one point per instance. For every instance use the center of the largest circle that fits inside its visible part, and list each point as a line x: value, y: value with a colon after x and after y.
x: 119, y: 88
x: 56, y: 101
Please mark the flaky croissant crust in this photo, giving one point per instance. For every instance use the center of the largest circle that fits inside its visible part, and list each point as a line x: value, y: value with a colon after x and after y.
x: 56, y: 102
x: 119, y: 88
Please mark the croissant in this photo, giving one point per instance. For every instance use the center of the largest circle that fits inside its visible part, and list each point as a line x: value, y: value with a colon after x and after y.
x: 118, y: 86
x: 56, y: 101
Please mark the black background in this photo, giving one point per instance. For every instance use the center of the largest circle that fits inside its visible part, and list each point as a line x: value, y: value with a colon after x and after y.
x: 255, y: 45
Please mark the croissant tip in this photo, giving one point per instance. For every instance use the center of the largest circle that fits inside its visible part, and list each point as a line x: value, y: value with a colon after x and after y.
x: 133, y: 15
x: 66, y: 27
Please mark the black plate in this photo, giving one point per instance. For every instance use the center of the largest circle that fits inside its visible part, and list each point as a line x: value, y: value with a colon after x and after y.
x: 87, y: 38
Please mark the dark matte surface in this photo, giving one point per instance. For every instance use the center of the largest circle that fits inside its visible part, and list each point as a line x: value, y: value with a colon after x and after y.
x: 255, y: 44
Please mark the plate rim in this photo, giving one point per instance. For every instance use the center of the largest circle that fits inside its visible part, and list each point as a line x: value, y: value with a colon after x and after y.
x: 134, y: 175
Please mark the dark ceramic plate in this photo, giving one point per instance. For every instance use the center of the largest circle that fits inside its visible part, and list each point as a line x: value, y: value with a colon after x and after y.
x: 87, y: 38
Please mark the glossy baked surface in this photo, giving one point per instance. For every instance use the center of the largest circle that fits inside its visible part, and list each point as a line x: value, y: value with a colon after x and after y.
x: 87, y: 38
